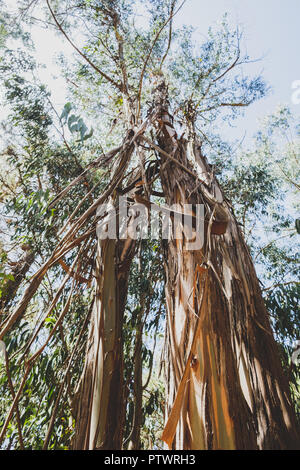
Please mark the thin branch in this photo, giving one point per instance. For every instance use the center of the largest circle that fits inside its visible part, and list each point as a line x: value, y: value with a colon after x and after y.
x: 166, y: 154
x: 120, y: 41
x: 234, y: 63
x: 273, y: 286
x: 103, y: 74
x: 55, y: 408
x: 269, y: 244
x: 150, y: 52
x: 93, y: 165
x: 170, y: 34
x: 15, y: 402
x: 12, y: 391
x: 292, y: 182
x: 233, y: 105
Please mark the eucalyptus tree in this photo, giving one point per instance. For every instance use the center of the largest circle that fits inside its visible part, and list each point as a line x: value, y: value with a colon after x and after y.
x: 263, y: 186
x: 154, y: 100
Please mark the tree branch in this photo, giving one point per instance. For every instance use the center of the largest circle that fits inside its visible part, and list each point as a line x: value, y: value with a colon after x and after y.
x: 103, y: 74
x: 170, y: 33
x: 273, y: 286
x: 150, y: 52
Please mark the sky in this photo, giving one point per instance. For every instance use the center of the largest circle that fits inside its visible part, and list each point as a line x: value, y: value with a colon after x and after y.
x: 271, y: 33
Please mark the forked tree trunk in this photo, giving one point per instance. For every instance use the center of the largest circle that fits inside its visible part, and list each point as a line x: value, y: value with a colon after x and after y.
x: 99, y: 410
x: 225, y: 384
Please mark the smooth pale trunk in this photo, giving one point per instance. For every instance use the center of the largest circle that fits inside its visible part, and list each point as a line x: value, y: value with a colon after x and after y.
x: 99, y: 409
x: 99, y: 405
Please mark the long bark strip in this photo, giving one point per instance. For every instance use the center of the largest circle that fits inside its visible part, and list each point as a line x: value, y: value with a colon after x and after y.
x: 225, y: 385
x: 99, y: 411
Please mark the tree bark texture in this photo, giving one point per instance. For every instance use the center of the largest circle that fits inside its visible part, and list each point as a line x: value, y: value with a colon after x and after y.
x: 99, y: 406
x: 226, y: 388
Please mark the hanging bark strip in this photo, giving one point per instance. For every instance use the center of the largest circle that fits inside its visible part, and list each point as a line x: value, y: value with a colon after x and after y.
x: 99, y: 410
x: 225, y: 385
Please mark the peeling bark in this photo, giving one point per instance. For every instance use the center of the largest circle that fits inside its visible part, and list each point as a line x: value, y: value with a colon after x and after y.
x: 99, y: 410
x: 226, y: 387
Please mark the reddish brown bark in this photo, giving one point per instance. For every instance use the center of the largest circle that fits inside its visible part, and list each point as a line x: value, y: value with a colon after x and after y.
x: 225, y: 384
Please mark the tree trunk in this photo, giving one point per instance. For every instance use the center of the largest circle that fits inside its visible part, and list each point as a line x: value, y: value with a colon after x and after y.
x: 99, y: 407
x: 135, y: 436
x: 225, y: 384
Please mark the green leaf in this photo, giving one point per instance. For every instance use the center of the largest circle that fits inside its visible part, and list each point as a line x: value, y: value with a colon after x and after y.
x: 66, y: 111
